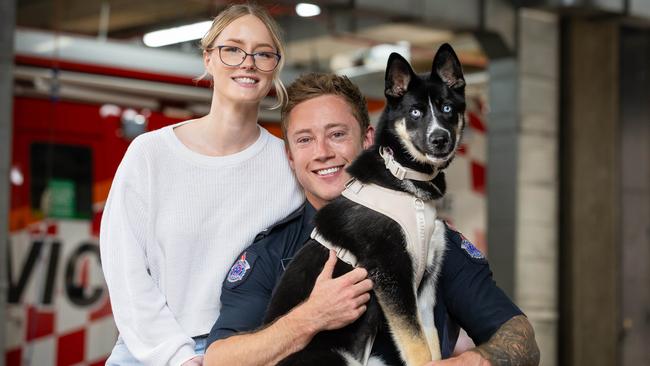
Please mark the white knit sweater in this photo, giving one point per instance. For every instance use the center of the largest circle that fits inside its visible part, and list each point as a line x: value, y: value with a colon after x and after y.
x: 173, y: 224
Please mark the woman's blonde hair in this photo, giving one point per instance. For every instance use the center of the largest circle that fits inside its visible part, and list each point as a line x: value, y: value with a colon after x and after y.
x: 237, y: 11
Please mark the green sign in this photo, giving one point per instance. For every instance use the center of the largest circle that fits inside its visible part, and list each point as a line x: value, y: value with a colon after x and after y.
x: 62, y: 198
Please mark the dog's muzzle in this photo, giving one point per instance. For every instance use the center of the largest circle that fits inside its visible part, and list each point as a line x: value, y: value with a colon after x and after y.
x: 440, y: 141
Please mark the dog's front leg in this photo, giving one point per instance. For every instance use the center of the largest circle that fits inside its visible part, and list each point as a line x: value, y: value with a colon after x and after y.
x: 426, y: 303
x: 404, y: 321
x: 427, y: 291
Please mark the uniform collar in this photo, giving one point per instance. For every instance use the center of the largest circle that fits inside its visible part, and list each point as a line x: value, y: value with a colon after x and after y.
x: 300, y: 212
x: 308, y: 216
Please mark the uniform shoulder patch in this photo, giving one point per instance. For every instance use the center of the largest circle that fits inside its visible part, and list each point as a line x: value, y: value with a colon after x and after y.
x: 470, y: 249
x: 241, y: 269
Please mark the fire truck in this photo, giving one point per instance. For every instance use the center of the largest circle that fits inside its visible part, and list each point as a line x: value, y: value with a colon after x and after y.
x: 78, y: 102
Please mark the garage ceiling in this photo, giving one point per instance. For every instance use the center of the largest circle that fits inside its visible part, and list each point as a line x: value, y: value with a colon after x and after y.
x: 341, y: 29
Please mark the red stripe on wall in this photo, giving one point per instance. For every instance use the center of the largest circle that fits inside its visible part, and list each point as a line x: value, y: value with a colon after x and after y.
x: 462, y: 150
x: 102, y: 311
x: 13, y: 357
x: 71, y: 348
x: 478, y: 177
x: 39, y: 323
x: 476, y: 122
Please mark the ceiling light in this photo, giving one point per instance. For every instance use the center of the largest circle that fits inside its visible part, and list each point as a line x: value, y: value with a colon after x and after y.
x: 307, y: 10
x: 180, y: 34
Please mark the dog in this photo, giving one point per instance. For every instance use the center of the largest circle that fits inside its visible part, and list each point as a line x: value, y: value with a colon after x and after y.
x: 416, y: 138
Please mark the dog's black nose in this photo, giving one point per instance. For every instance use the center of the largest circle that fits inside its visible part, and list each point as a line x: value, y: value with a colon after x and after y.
x: 439, y: 139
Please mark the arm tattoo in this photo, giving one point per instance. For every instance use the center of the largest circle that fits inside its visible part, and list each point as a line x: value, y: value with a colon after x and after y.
x: 512, y: 344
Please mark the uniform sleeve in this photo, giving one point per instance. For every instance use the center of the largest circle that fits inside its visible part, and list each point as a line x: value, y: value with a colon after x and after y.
x: 245, y: 294
x: 472, y: 297
x: 140, y: 310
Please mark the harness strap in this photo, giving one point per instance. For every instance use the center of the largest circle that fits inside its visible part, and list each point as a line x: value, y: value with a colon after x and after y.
x: 342, y: 253
x: 424, y: 242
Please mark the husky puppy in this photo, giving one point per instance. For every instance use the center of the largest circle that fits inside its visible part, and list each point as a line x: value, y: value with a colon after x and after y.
x: 417, y: 136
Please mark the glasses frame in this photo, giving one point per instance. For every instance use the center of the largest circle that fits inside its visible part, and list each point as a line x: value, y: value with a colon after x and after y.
x: 277, y: 55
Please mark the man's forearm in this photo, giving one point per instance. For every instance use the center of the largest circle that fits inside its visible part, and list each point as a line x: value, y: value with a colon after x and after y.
x: 512, y: 344
x: 267, y: 346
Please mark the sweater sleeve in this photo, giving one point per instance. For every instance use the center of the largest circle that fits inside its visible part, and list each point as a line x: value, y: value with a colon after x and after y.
x: 140, y: 310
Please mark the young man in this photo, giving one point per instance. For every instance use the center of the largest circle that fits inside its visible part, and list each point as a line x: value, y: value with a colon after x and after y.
x: 326, y: 125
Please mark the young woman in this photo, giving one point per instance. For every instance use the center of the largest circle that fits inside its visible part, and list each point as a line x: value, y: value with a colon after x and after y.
x: 190, y: 197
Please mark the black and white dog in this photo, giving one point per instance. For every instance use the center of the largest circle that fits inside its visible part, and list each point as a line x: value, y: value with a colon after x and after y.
x: 417, y: 136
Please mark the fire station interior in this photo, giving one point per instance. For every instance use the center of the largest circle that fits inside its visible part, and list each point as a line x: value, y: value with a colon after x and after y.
x: 552, y: 181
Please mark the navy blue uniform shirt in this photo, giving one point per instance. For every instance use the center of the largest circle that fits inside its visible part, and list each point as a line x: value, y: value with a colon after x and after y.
x: 466, y: 294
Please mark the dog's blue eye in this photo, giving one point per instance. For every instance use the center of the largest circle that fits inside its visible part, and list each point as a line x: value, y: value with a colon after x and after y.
x: 415, y: 113
x: 446, y: 108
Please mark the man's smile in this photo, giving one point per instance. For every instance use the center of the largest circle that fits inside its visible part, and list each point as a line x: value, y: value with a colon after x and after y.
x: 328, y: 171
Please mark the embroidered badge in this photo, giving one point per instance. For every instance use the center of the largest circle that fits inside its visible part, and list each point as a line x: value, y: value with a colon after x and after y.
x: 238, y: 270
x: 470, y: 249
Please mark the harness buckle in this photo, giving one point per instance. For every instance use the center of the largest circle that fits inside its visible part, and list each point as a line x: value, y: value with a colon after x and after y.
x: 353, y: 185
x: 400, y: 172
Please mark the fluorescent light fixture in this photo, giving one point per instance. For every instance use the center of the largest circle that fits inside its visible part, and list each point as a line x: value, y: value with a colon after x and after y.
x: 180, y: 34
x: 307, y: 10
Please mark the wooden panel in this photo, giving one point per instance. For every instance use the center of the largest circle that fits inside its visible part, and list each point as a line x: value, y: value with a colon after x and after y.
x: 635, y: 196
x: 591, y: 173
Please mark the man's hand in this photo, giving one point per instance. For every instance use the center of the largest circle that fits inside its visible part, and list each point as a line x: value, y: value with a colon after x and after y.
x: 469, y: 358
x: 336, y: 302
x: 512, y: 344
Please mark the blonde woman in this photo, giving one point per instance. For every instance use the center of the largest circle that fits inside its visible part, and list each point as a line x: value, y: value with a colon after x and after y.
x: 190, y: 197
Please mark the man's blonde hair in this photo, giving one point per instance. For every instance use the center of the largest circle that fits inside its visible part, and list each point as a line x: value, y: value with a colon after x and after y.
x: 237, y: 11
x: 312, y: 85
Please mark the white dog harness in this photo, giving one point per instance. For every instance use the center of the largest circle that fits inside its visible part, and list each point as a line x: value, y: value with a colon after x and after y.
x: 415, y: 216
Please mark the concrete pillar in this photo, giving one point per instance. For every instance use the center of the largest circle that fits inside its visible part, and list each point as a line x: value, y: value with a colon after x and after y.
x: 502, y: 153
x: 7, y: 24
x: 537, y: 179
x: 502, y: 149
x: 590, y: 209
x: 523, y: 181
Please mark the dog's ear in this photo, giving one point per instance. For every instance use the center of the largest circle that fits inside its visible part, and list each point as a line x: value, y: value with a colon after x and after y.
x: 398, y: 76
x: 447, y: 67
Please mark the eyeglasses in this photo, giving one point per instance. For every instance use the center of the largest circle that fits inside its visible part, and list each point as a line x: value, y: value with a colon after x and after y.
x: 235, y: 56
